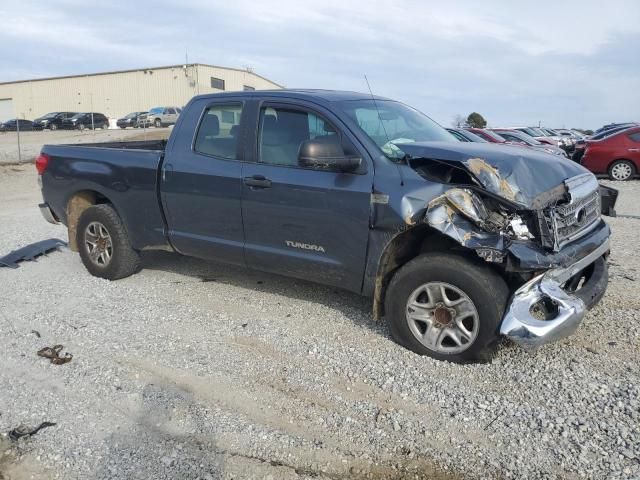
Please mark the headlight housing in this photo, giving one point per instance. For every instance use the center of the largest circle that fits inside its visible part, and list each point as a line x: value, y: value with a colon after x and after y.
x: 468, y: 203
x: 498, y: 219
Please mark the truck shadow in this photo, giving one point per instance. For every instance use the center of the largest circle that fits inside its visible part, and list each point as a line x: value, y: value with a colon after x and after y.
x: 354, y: 307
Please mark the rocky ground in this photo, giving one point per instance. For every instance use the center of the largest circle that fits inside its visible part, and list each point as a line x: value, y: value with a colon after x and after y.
x: 197, y: 370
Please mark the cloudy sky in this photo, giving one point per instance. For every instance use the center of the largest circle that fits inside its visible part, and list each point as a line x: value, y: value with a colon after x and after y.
x: 569, y: 63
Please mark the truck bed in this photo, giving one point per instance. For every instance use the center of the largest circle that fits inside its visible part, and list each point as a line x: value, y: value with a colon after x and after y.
x: 126, y: 145
x: 126, y: 173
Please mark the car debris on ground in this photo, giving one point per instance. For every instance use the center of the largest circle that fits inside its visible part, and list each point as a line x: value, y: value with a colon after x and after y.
x: 23, y: 431
x: 30, y: 252
x: 53, y: 353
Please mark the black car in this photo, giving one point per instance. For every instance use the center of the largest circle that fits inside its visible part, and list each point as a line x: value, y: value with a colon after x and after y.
x: 131, y: 120
x: 13, y: 124
x: 80, y: 121
x: 52, y: 120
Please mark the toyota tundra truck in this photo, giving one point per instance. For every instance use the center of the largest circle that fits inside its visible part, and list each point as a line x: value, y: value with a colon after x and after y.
x: 457, y: 244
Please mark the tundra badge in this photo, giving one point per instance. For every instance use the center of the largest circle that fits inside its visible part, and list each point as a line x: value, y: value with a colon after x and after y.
x: 304, y: 246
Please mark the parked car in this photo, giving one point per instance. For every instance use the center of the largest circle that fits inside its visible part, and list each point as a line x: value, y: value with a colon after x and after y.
x: 457, y: 243
x: 564, y: 142
x: 573, y: 134
x: 617, y: 155
x: 520, y: 138
x: 612, y: 126
x: 160, y: 117
x: 488, y: 135
x: 582, y: 144
x: 465, y: 135
x: 52, y: 120
x: 537, y: 134
x: 130, y: 120
x: 13, y: 125
x: 81, y: 121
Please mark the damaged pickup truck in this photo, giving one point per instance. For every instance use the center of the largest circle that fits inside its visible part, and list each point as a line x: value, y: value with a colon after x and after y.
x: 456, y: 243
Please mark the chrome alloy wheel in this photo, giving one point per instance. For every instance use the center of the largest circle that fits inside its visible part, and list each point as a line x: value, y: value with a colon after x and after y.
x: 99, y: 244
x: 621, y: 171
x: 442, y: 317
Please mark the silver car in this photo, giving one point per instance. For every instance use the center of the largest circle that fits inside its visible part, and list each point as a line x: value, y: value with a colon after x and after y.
x: 161, y: 117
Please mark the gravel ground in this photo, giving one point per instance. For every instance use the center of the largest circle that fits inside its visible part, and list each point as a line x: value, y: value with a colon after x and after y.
x: 197, y: 370
x: 31, y: 142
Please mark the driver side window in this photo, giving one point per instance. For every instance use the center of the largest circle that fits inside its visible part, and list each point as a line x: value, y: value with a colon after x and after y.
x: 282, y: 131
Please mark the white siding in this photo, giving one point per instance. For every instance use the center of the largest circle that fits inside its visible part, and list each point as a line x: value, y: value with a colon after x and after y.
x: 6, y: 109
x: 116, y: 94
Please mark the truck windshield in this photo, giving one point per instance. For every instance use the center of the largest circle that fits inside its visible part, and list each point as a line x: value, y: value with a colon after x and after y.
x: 389, y: 123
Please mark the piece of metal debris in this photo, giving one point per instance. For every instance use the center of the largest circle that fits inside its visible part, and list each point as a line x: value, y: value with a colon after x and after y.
x: 53, y: 353
x: 30, y: 252
x: 23, y: 431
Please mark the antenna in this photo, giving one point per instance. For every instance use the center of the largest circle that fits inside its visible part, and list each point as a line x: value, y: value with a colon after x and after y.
x: 377, y: 109
x: 383, y: 127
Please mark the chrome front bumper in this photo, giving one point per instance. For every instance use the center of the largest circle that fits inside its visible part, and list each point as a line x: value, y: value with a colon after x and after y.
x: 520, y: 325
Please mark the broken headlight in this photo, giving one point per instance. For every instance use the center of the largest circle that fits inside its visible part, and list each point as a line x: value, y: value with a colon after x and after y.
x: 494, y: 217
x: 469, y: 204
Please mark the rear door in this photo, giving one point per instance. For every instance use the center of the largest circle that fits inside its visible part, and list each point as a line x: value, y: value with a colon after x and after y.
x: 633, y: 148
x: 201, y: 182
x: 170, y: 116
x: 302, y: 222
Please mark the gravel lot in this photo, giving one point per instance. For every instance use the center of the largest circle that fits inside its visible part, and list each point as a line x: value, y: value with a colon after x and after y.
x: 196, y: 370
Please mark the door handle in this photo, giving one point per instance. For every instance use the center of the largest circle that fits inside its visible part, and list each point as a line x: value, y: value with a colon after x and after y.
x: 257, y: 181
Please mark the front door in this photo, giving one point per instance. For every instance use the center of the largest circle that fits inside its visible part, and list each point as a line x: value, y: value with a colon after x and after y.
x: 201, y: 183
x: 302, y: 222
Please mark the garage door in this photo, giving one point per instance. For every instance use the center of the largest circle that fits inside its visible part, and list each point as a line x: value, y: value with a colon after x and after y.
x: 6, y: 109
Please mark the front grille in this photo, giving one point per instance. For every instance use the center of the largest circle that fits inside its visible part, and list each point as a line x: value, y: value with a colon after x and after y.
x: 573, y: 219
x: 568, y: 222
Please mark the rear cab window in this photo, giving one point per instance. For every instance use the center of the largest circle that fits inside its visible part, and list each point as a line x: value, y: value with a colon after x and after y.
x: 218, y: 131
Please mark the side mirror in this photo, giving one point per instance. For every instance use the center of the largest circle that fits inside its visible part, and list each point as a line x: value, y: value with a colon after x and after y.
x: 326, y: 154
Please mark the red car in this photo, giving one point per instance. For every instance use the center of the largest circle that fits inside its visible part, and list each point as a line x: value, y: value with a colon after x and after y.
x: 487, y: 135
x: 617, y: 155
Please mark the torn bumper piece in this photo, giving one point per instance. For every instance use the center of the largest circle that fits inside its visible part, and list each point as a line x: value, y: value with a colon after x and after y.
x: 521, y: 325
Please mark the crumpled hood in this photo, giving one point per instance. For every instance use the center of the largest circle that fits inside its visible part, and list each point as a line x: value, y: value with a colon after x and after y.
x: 520, y: 175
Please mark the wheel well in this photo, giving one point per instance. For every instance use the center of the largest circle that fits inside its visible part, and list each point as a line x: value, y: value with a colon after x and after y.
x: 635, y: 167
x: 77, y: 204
x: 403, y: 248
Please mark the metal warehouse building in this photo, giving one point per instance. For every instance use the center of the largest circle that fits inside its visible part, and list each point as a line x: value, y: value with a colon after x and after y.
x: 117, y: 93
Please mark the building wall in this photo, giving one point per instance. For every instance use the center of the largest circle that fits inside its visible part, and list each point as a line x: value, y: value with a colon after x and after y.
x: 116, y: 94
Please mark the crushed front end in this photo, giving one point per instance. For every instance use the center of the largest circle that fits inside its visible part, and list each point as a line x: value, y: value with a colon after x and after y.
x: 551, y: 244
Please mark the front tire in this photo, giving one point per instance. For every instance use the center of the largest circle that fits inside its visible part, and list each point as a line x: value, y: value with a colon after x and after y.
x: 157, y: 123
x: 104, y: 244
x: 53, y: 127
x: 622, y: 170
x: 447, y: 307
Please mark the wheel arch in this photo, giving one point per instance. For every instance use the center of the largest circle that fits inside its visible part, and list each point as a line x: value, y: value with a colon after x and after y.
x: 402, y: 248
x: 76, y: 205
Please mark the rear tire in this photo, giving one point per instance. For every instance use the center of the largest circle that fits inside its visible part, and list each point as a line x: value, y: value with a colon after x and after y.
x: 104, y: 244
x: 622, y: 170
x: 463, y: 324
